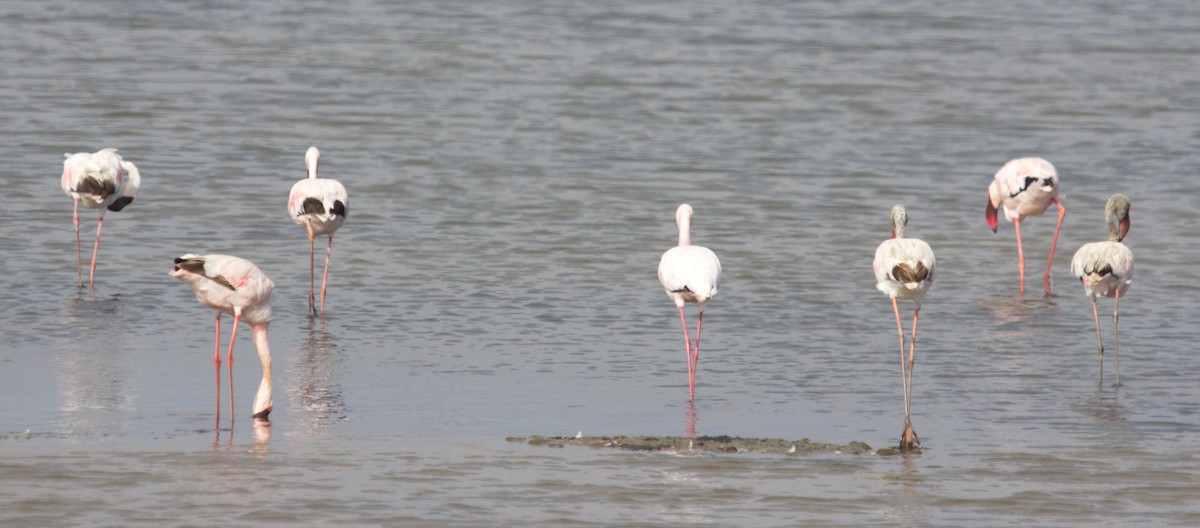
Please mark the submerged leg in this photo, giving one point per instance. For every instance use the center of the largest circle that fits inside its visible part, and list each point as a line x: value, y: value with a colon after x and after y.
x: 78, y: 257
x: 1116, y: 346
x: 908, y: 438
x: 95, y: 250
x: 325, y: 277
x: 217, y: 365
x: 1062, y: 212
x: 687, y: 352
x: 696, y: 348
x: 1020, y: 254
x: 311, y: 301
x: 237, y: 317
x: 1099, y: 342
x: 903, y: 362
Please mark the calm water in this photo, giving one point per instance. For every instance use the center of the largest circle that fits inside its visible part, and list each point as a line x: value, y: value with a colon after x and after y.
x: 513, y: 171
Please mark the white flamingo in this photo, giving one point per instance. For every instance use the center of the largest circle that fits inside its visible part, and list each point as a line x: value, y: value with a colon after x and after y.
x: 1106, y: 268
x: 904, y: 269
x: 100, y: 180
x: 320, y: 205
x: 234, y: 286
x: 1023, y: 187
x: 689, y: 274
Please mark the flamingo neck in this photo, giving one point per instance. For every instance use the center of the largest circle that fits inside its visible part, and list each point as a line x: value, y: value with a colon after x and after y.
x: 262, y: 401
x: 685, y: 235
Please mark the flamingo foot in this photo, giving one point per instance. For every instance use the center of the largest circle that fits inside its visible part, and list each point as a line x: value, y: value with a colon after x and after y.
x: 908, y: 439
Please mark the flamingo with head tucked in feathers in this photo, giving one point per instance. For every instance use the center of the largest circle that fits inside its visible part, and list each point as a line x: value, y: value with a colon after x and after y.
x: 320, y: 205
x: 100, y: 180
x: 1024, y: 187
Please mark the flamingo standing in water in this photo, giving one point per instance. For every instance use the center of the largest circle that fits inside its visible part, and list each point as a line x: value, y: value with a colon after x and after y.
x: 1023, y: 187
x: 237, y: 287
x: 320, y: 205
x: 1106, y: 268
x: 100, y: 180
x: 904, y: 269
x: 689, y: 274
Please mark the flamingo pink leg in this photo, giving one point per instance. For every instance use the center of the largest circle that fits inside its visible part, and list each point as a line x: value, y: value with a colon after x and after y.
x: 95, y: 250
x: 687, y: 351
x: 217, y: 365
x: 1116, y: 346
x: 1062, y: 212
x: 1020, y: 254
x: 311, y: 300
x: 237, y: 317
x: 325, y: 276
x: 696, y: 349
x: 78, y: 258
x: 1099, y: 341
x: 903, y: 368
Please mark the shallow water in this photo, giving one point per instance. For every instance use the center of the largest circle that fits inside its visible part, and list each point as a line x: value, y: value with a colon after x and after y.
x: 513, y: 171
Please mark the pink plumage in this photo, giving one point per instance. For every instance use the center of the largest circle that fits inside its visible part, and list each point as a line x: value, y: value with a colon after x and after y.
x: 100, y: 180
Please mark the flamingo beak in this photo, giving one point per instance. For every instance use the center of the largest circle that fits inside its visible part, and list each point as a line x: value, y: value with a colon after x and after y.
x: 1123, y: 228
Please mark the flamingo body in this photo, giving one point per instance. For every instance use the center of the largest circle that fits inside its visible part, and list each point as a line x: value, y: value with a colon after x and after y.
x: 237, y: 287
x: 1024, y: 187
x: 1106, y: 269
x: 100, y: 180
x: 689, y: 274
x: 904, y: 270
x: 320, y: 205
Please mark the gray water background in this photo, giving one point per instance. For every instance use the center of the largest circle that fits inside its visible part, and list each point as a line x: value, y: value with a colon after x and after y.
x: 513, y: 170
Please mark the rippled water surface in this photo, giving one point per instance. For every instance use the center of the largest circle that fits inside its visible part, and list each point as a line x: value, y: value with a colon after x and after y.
x: 513, y: 171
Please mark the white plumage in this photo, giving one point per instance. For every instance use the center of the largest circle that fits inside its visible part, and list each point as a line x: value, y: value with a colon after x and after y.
x: 233, y: 286
x: 905, y: 269
x: 1106, y: 269
x: 689, y: 274
x: 100, y: 180
x: 1024, y: 187
x: 320, y: 205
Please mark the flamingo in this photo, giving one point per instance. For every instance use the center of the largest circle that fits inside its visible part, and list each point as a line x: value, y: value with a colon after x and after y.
x: 1106, y: 268
x: 100, y: 180
x: 1026, y: 186
x: 320, y: 205
x: 904, y: 269
x: 689, y: 274
x: 234, y: 286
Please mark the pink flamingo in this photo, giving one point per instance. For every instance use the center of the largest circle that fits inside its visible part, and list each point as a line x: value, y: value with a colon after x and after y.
x: 689, y: 274
x: 98, y: 181
x: 1023, y: 187
x: 237, y: 287
x: 320, y: 205
x: 904, y: 269
x: 1106, y: 268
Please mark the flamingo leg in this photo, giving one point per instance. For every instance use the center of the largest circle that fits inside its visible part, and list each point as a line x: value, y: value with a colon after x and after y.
x: 1020, y: 253
x: 95, y: 250
x: 217, y: 364
x: 1116, y: 346
x: 1062, y: 212
x: 1099, y: 342
x: 78, y: 257
x: 908, y: 438
x: 237, y: 317
x: 903, y: 364
x: 325, y: 276
x: 696, y: 349
x: 687, y: 351
x: 311, y: 301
